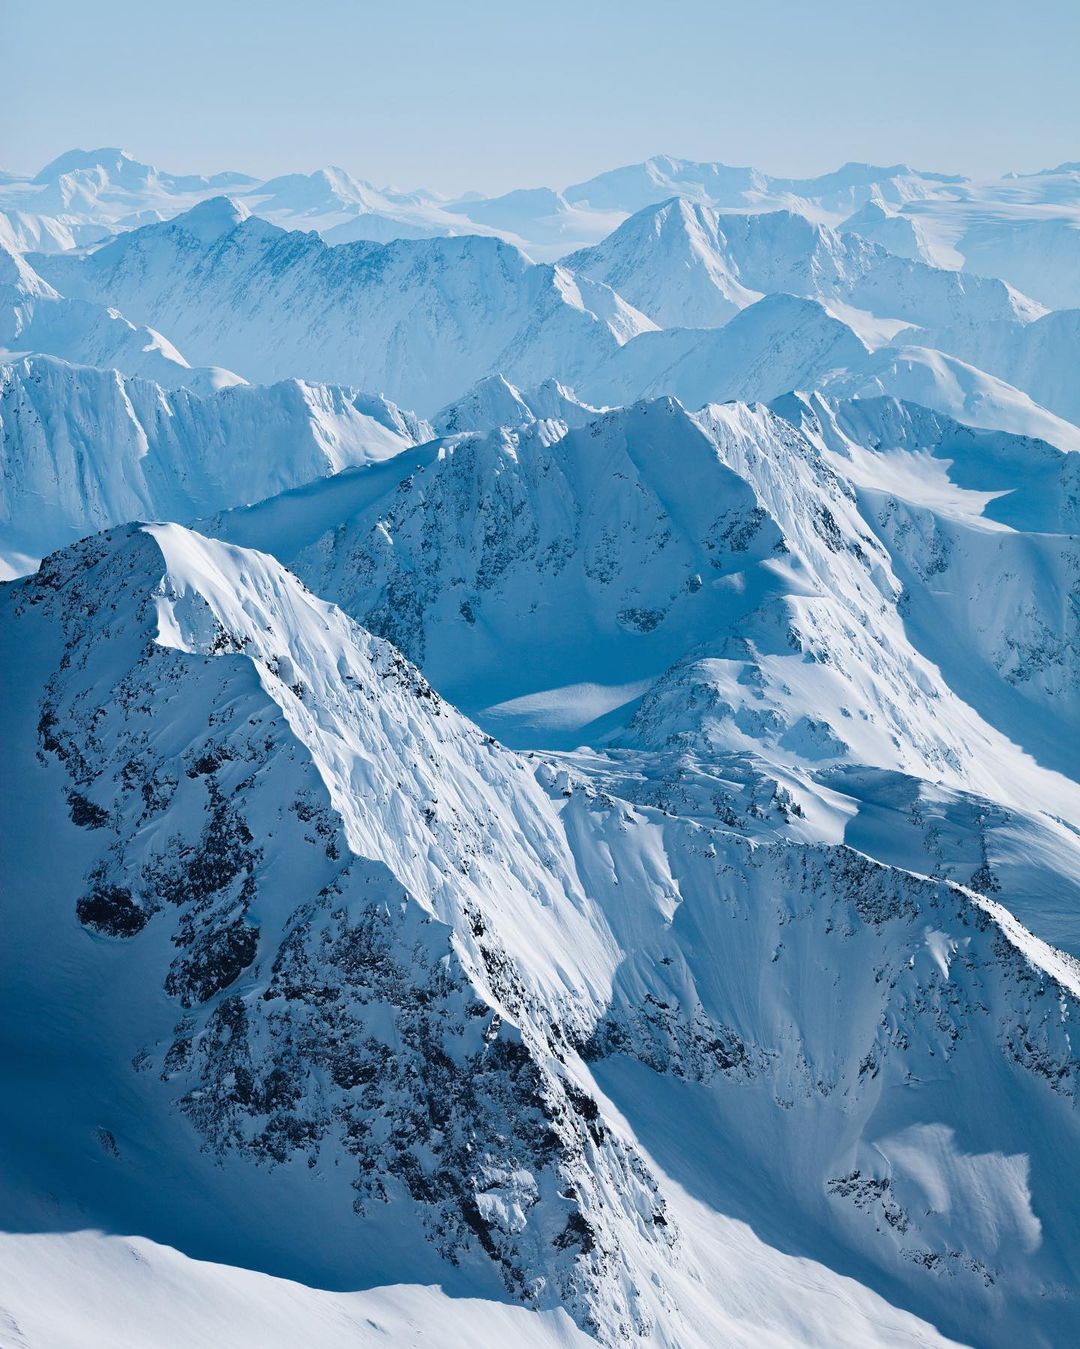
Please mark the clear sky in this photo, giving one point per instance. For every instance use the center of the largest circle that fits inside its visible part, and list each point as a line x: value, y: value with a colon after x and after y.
x: 494, y: 95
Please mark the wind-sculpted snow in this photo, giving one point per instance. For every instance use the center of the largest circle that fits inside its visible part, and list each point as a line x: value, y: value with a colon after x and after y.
x: 272, y: 304
x: 85, y: 449
x: 453, y: 1000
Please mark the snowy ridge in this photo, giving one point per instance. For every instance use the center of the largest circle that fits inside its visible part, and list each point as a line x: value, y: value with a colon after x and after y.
x: 172, y: 454
x: 784, y: 342
x: 685, y: 265
x: 356, y: 313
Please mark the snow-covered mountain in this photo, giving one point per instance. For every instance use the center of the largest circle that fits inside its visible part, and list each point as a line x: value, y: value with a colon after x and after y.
x: 711, y: 976
x: 523, y: 568
x: 1021, y: 228
x: 685, y: 265
x: 494, y: 402
x: 719, y: 185
x: 84, y: 448
x: 238, y: 292
x: 895, y: 232
x: 784, y: 342
x: 84, y: 195
x: 469, y: 1013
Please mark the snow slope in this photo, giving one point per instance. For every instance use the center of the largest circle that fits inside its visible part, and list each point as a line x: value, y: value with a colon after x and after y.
x: 1041, y: 358
x: 84, y: 449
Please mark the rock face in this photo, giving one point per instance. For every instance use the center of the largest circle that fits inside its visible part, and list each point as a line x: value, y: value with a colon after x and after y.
x: 438, y: 987
x: 334, y: 1008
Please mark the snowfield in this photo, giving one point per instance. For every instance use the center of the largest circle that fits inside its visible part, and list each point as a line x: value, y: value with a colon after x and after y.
x: 541, y: 797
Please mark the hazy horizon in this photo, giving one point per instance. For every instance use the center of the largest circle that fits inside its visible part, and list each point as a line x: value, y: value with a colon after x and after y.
x: 491, y: 97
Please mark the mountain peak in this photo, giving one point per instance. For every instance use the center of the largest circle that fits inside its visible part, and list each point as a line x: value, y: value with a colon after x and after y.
x: 212, y: 219
x: 110, y: 158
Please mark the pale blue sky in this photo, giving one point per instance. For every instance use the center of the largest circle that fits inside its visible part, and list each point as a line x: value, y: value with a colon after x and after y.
x: 497, y: 95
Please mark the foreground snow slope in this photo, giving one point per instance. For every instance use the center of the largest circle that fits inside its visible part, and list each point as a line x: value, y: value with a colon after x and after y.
x: 319, y: 947
x: 84, y: 449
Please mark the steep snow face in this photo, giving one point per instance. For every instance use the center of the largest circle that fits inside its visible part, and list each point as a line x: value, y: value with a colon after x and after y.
x: 84, y: 449
x: 982, y: 530
x: 244, y: 294
x: 684, y: 265
x: 36, y: 318
x: 468, y: 1020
